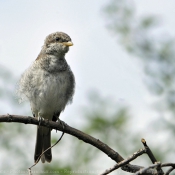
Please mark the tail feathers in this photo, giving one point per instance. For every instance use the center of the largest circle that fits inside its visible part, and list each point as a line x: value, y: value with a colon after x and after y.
x: 46, y: 145
x: 43, y: 142
x: 39, y: 144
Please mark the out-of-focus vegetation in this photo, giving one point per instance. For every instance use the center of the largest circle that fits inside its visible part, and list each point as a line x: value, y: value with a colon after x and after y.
x: 15, y: 138
x: 144, y: 38
x: 106, y: 120
x: 141, y: 36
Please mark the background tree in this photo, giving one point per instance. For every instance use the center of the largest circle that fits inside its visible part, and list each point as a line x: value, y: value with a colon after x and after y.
x: 106, y: 119
x: 144, y: 38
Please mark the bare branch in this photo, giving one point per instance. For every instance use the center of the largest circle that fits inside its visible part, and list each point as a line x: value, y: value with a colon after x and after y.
x: 148, y: 151
x: 168, y: 164
x: 68, y: 129
x: 126, y: 161
x: 80, y: 135
x: 152, y: 157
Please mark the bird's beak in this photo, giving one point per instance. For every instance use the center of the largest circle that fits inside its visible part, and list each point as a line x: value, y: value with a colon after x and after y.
x: 69, y: 43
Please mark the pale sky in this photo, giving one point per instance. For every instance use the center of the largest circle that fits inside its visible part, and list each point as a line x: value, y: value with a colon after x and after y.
x: 98, y: 61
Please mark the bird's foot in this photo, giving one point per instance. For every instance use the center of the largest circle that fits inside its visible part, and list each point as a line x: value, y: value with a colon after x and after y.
x: 63, y: 124
x: 40, y: 119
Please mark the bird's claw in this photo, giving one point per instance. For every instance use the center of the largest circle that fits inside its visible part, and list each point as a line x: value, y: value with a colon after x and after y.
x: 63, y: 124
x: 40, y: 119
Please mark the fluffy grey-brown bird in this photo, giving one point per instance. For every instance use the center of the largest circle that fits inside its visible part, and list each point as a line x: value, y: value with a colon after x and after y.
x: 49, y: 86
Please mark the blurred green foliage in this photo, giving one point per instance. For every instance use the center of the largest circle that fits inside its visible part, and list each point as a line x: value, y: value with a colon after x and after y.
x: 105, y: 119
x: 14, y: 137
x: 143, y: 38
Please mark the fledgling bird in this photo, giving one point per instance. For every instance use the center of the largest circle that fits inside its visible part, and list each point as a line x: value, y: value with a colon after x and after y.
x: 49, y: 86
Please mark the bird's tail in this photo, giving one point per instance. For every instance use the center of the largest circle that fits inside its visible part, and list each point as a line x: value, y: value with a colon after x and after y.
x: 43, y: 142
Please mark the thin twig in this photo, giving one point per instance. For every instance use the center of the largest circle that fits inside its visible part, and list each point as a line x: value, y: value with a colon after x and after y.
x: 168, y: 164
x: 169, y: 171
x: 30, y: 172
x: 124, y: 162
x: 148, y: 151
x: 45, y: 151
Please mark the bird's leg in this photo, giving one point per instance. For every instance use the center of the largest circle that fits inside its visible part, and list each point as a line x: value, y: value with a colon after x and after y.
x: 40, y: 118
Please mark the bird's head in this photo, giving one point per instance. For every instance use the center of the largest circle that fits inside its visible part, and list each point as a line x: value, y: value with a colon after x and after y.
x: 57, y: 43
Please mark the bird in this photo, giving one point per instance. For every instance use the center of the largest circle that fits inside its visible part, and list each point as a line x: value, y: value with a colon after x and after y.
x: 48, y: 84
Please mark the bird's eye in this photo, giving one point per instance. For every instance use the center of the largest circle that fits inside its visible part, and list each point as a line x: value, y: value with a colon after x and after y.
x: 57, y: 39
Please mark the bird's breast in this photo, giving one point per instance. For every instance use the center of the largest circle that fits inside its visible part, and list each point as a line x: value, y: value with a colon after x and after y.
x: 51, y: 91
